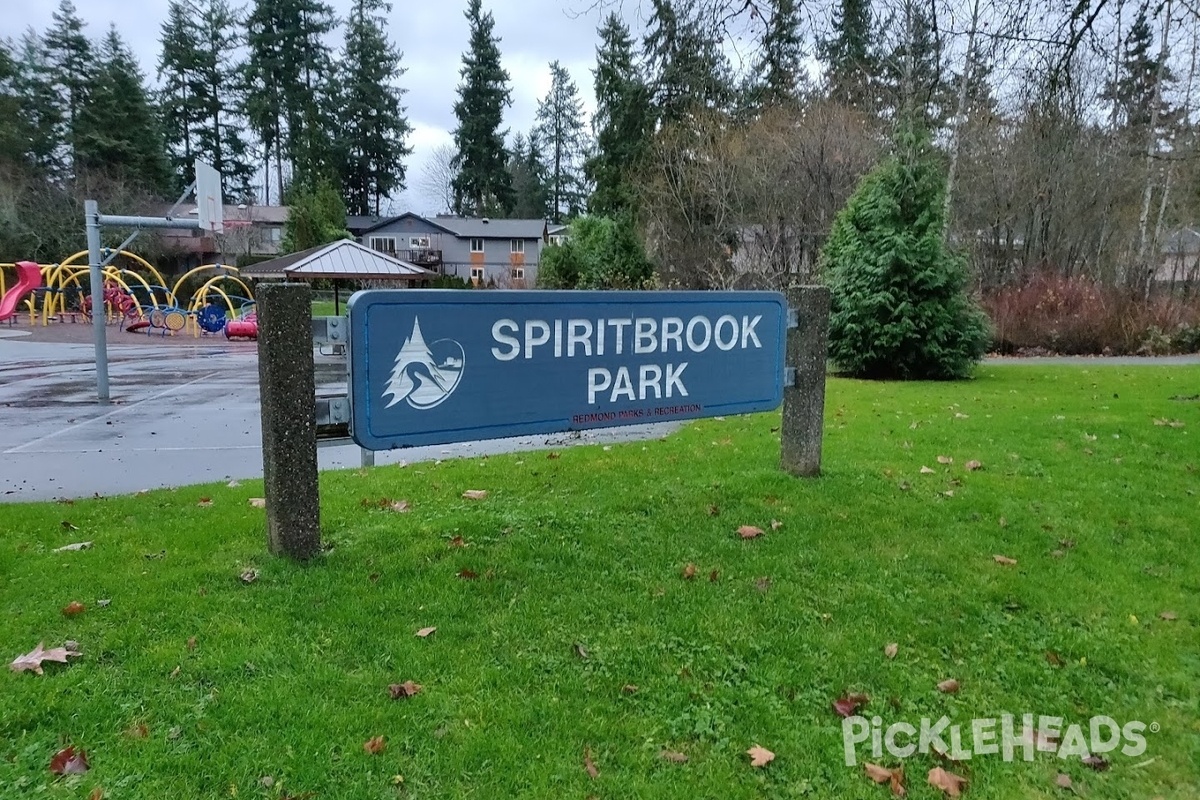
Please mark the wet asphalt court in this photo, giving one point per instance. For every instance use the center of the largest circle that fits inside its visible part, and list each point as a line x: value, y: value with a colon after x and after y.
x: 180, y: 415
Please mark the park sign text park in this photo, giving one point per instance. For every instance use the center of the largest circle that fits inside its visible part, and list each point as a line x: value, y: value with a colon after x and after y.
x: 439, y: 366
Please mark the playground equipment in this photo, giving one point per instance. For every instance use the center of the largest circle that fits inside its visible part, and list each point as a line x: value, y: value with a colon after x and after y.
x: 132, y: 301
x: 29, y: 277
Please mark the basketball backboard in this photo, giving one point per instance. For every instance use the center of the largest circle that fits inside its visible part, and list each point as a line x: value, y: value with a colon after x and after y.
x: 210, y: 205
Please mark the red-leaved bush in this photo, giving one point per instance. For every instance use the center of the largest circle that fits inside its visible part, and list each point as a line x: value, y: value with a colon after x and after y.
x: 1078, y: 316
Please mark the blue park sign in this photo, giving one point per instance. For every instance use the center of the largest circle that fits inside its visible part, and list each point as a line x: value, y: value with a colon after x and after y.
x: 446, y: 365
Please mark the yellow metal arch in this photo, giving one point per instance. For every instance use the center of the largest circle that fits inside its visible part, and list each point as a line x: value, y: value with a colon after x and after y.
x: 225, y: 271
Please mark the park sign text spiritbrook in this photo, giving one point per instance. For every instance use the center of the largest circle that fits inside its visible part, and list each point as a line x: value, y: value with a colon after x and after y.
x: 445, y: 365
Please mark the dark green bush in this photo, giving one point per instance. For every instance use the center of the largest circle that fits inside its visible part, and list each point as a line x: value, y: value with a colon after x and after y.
x: 900, y: 307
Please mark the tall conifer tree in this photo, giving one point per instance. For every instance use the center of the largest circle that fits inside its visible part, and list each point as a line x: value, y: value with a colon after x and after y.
x: 483, y: 184
x: 373, y: 127
x: 559, y: 134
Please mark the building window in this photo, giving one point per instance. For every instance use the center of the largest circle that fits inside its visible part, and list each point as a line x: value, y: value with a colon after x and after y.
x: 518, y: 273
x: 383, y: 244
x: 518, y: 245
x: 418, y: 242
x: 557, y: 239
x: 477, y: 245
x: 477, y: 274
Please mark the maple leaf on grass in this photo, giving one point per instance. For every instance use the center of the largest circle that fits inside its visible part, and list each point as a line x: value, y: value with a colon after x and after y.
x: 475, y: 494
x: 949, y: 686
x: 400, y: 506
x: 204, y: 502
x: 67, y: 526
x: 73, y: 608
x: 891, y: 650
x: 948, y: 782
x: 589, y: 765
x: 258, y: 502
x: 1063, y: 781
x: 673, y: 757
x: 749, y: 532
x: 424, y: 632
x: 1168, y: 616
x: 973, y: 465
x: 848, y: 704
x: 760, y: 756
x: 1004, y: 560
x: 69, y: 761
x: 893, y: 777
x: 689, y: 571
x: 374, y: 746
x: 34, y: 659
x: 1098, y: 763
x: 926, y: 471
x: 945, y: 460
x: 468, y: 574
x: 399, y: 691
x: 71, y: 548
x: 776, y: 524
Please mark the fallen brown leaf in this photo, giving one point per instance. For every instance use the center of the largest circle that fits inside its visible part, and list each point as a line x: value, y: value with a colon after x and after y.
x: 749, y: 532
x: 425, y: 632
x: 138, y: 731
x: 893, y: 777
x: 191, y: 643
x: 400, y: 506
x: 945, y: 460
x: 1169, y: 616
x: 877, y: 773
x: 848, y: 704
x: 891, y: 650
x: 553, y: 454
x: 475, y: 494
x: 205, y: 502
x: 589, y: 765
x: 96, y: 794
x: 762, y: 584
x: 249, y: 575
x: 926, y: 471
x: 673, y: 757
x: 714, y: 576
x: 1053, y: 659
x: 1003, y: 522
x: 776, y: 524
x: 258, y: 502
x: 1098, y: 763
x: 1005, y: 560
x: 73, y: 608
x: 948, y: 782
x: 70, y: 548
x: 468, y: 574
x: 402, y: 690
x: 67, y: 526
x: 973, y: 465
x: 69, y: 761
x: 713, y: 511
x: 580, y: 651
x: 174, y: 672
x: 629, y: 688
x: 34, y: 659
x: 1063, y: 781
x: 689, y: 571
x: 457, y: 541
x: 949, y: 686
x: 374, y: 746
x: 760, y: 756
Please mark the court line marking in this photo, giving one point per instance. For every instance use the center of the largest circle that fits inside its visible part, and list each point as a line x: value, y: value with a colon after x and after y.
x: 113, y: 413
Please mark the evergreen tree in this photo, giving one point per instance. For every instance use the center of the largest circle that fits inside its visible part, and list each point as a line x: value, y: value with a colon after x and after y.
x: 779, y: 72
x: 316, y: 216
x: 531, y: 198
x: 373, y: 129
x: 1134, y: 91
x: 600, y: 253
x: 483, y: 185
x: 621, y: 123
x: 912, y: 73
x: 686, y: 68
x: 288, y: 76
x: 72, y: 65
x: 178, y: 63
x: 12, y: 143
x: 40, y: 118
x: 849, y: 55
x: 899, y: 302
x: 559, y: 133
x: 118, y: 127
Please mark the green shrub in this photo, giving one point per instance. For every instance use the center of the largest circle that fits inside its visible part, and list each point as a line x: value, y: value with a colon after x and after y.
x: 900, y: 308
x: 600, y: 253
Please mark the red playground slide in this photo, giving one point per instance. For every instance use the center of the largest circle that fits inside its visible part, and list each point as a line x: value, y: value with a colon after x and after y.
x: 29, y: 277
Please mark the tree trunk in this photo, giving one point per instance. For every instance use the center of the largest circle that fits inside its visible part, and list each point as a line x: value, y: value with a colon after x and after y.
x: 1151, y: 150
x: 959, y: 114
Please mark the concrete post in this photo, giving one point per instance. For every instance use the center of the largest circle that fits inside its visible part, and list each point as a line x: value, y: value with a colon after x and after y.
x: 91, y: 213
x: 289, y: 426
x: 804, y: 399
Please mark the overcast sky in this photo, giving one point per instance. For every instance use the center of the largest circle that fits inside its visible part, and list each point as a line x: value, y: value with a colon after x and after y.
x: 432, y: 35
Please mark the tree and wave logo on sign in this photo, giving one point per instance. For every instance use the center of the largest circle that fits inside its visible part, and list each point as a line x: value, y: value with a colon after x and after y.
x: 425, y: 374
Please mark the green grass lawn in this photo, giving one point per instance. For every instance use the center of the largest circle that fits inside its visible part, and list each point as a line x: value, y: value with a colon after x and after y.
x: 584, y: 553
x: 324, y: 308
